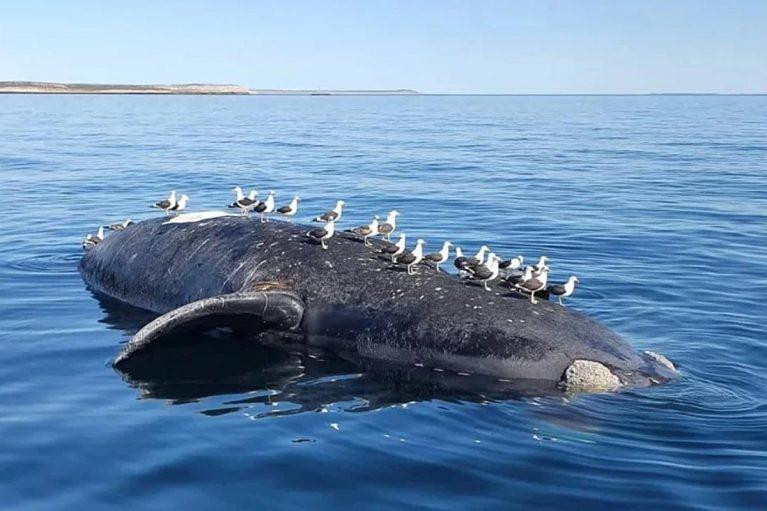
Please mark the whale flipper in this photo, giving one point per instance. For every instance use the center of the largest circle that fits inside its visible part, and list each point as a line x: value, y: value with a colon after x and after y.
x: 269, y: 309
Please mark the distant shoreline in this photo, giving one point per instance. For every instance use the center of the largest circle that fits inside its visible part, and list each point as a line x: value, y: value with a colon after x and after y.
x: 191, y: 89
x: 19, y: 87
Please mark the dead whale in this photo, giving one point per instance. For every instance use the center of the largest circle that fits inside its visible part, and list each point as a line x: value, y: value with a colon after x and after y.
x: 207, y: 270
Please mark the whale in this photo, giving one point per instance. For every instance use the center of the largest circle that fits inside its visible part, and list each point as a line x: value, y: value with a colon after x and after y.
x: 270, y: 281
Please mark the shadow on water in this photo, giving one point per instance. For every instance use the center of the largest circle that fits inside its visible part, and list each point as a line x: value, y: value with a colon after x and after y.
x: 197, y: 365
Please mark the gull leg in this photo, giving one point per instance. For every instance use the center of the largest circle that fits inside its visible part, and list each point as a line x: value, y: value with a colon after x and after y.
x: 532, y: 297
x: 486, y: 287
x: 324, y: 246
x: 560, y: 300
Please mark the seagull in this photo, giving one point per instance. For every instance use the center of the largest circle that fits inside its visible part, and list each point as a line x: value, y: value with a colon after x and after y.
x: 469, y: 269
x: 512, y: 264
x: 517, y: 276
x: 412, y: 258
x: 460, y: 259
x: 367, y: 230
x: 334, y: 214
x: 99, y: 234
x: 563, y: 290
x: 532, y: 284
x: 245, y: 204
x: 441, y: 256
x: 476, y: 262
x: 120, y: 226
x: 395, y: 249
x: 478, y: 258
x: 291, y: 209
x: 486, y: 272
x: 266, y: 207
x: 388, y: 227
x: 238, y: 196
x: 166, y: 204
x: 323, y: 234
x: 91, y: 240
x: 181, y: 204
x: 541, y: 264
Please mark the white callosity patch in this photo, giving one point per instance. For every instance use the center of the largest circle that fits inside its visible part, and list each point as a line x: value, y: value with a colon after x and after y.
x: 187, y: 218
x: 660, y: 359
x: 589, y: 376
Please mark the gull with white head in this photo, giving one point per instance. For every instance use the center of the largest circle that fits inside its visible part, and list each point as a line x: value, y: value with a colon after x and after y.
x: 334, y: 214
x: 366, y: 231
x: 563, y: 290
x: 390, y: 225
x: 394, y: 250
x: 266, y: 207
x: 323, y: 234
x: 291, y: 209
x: 413, y: 257
x: 441, y: 256
x: 167, y: 204
x: 181, y: 204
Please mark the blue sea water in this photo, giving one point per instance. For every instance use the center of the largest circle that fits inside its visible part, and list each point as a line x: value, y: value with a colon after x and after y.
x: 658, y: 203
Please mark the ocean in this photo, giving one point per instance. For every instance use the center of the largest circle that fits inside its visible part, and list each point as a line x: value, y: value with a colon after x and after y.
x: 657, y: 203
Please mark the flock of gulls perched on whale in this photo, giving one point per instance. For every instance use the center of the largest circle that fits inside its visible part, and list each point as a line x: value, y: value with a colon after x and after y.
x: 483, y: 267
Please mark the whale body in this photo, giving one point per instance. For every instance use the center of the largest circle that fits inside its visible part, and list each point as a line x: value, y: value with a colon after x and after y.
x: 211, y: 270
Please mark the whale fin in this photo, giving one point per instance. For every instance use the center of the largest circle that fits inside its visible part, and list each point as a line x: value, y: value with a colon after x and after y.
x: 264, y: 309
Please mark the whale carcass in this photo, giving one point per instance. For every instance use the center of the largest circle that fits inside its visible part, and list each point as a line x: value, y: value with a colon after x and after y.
x: 211, y: 270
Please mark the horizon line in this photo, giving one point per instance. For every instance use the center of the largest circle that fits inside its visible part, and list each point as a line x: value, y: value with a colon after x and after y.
x: 309, y: 91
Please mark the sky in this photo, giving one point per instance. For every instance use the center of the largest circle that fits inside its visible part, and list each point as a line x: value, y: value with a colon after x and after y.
x: 445, y: 46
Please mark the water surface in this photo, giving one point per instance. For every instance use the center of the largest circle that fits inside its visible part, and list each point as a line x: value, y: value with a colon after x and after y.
x: 659, y: 204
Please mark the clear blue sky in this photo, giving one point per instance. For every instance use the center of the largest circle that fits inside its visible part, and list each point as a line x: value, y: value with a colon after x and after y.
x: 443, y: 46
